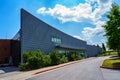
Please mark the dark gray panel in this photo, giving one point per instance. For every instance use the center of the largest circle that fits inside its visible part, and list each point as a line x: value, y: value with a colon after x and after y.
x: 35, y: 34
x: 93, y: 50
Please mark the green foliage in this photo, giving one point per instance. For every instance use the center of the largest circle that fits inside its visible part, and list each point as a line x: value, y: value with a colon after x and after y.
x: 47, y: 60
x: 39, y: 56
x: 36, y: 59
x: 111, y: 63
x: 24, y: 66
x: 74, y: 56
x: 78, y: 57
x: 63, y: 59
x: 107, y: 53
x: 55, y: 58
x: 32, y: 60
x: 112, y: 28
x: 26, y: 55
x: 70, y: 56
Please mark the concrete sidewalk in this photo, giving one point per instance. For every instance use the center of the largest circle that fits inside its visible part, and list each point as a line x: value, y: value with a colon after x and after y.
x: 2, y: 72
x: 8, y: 69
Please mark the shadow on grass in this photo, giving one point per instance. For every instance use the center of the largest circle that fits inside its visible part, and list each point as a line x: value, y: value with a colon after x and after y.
x: 116, y: 65
x: 114, y: 56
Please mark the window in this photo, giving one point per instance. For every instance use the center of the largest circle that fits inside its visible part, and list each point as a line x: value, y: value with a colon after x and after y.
x: 56, y: 40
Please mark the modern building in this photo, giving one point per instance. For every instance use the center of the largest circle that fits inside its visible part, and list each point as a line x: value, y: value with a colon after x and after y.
x: 36, y: 34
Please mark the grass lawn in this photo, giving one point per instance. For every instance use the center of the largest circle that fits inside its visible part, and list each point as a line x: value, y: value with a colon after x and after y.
x: 111, y: 63
x: 107, y: 53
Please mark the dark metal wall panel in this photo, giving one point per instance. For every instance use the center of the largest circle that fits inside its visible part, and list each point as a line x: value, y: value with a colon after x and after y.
x: 35, y: 34
x: 93, y: 50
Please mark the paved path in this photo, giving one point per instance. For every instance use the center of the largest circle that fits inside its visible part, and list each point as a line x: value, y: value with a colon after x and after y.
x: 111, y: 74
x: 85, y: 70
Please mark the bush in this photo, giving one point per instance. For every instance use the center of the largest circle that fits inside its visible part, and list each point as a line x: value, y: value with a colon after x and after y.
x: 71, y: 56
x: 32, y: 60
x: 24, y: 66
x: 74, y: 56
x: 47, y: 60
x: 55, y: 58
x: 63, y: 59
x: 78, y: 57
x: 36, y: 59
x: 27, y: 55
x: 39, y: 55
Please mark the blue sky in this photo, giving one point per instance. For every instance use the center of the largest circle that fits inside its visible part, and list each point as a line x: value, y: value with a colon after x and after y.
x: 79, y: 18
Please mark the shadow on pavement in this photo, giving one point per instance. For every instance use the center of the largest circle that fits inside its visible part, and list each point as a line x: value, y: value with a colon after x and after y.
x: 8, y: 69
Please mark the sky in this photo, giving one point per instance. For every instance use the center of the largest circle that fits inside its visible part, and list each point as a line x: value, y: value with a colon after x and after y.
x: 82, y: 19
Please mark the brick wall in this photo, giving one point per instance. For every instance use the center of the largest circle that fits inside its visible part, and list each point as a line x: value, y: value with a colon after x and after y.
x: 4, y: 51
x: 9, y: 48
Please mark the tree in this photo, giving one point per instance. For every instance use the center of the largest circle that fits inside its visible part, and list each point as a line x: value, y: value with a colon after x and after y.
x: 103, y: 47
x: 112, y: 28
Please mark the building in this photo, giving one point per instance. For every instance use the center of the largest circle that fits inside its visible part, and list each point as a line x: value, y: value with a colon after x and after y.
x: 9, y: 51
x: 36, y: 34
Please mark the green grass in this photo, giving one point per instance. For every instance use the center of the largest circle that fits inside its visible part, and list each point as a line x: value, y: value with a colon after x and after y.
x: 111, y: 63
x: 107, y: 53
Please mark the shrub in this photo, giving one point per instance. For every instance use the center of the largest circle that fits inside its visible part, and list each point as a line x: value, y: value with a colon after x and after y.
x: 27, y: 55
x: 63, y: 59
x: 32, y: 60
x: 24, y: 66
x: 74, y: 56
x: 71, y: 56
x: 46, y: 60
x: 39, y: 55
x: 37, y: 59
x: 55, y: 58
x: 78, y: 57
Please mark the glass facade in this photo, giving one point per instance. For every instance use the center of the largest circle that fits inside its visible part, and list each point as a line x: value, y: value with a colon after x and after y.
x: 66, y: 52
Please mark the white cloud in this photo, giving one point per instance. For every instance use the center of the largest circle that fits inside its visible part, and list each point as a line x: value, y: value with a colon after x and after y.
x: 80, y: 13
x: 91, y: 11
x: 89, y: 33
x: 77, y: 13
x: 78, y: 37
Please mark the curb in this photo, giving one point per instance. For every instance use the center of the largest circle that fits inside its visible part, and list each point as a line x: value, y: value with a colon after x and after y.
x: 56, y: 67
x: 110, y: 68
